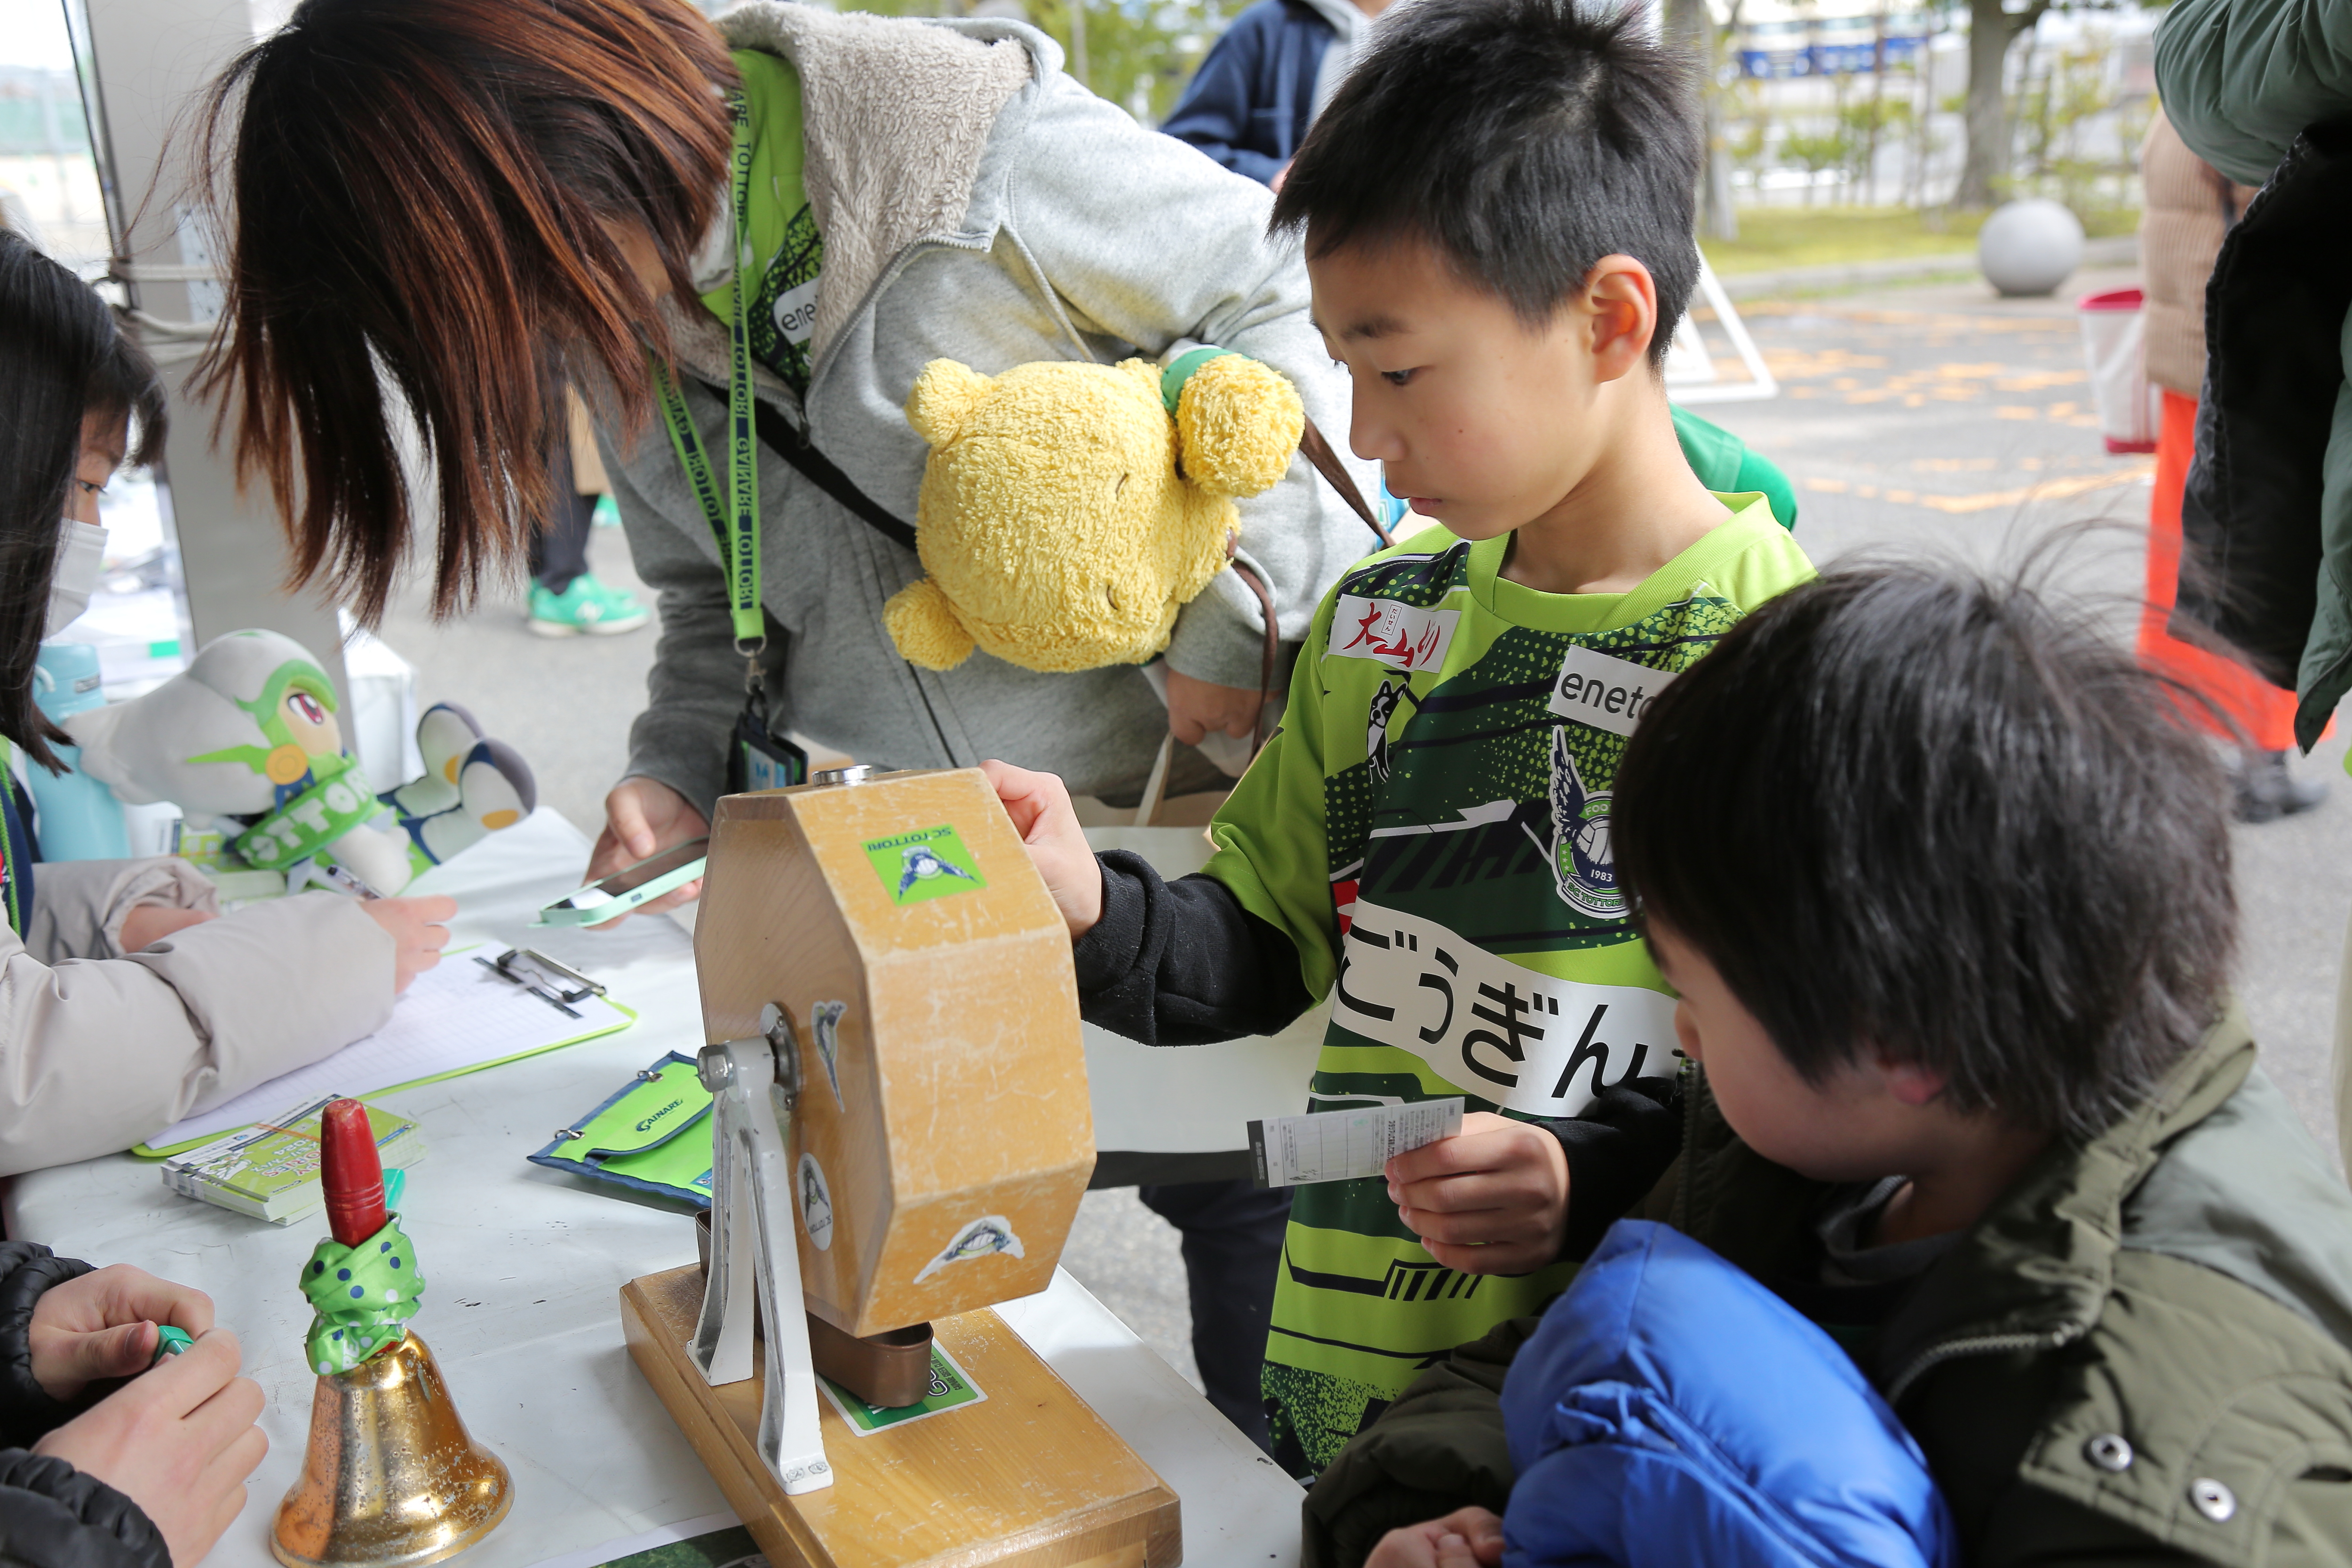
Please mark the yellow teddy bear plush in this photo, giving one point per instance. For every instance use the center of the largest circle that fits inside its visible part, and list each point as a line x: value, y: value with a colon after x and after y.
x: 1069, y: 510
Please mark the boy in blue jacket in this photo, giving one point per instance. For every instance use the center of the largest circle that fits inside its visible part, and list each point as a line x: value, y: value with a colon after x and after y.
x: 1964, y: 1087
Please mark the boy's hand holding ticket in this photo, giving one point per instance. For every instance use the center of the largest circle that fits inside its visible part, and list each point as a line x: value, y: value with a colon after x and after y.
x: 1485, y: 1194
x: 1491, y: 1200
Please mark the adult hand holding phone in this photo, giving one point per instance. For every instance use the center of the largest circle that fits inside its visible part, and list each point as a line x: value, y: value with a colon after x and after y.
x: 644, y: 817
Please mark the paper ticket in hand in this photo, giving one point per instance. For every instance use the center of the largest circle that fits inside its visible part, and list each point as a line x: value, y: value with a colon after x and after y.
x: 1344, y: 1146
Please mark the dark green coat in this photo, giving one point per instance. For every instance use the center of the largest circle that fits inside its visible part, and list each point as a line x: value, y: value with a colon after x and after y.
x: 2182, y: 1283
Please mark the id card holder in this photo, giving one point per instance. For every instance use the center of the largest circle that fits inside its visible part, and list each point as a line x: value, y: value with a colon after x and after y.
x: 756, y: 757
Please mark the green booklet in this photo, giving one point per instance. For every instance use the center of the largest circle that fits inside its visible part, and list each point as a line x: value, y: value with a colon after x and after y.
x: 271, y: 1170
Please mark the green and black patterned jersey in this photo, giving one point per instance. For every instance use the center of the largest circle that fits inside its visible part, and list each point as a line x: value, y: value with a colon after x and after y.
x: 1431, y: 828
x: 787, y: 252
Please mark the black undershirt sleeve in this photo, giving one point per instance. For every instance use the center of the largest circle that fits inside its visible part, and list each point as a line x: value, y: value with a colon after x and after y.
x: 1617, y: 1148
x: 1183, y: 963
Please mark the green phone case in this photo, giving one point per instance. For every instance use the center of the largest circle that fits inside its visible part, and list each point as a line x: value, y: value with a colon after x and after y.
x: 565, y: 911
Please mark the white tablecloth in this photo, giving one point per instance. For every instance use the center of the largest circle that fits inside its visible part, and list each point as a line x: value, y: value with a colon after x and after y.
x: 524, y: 1266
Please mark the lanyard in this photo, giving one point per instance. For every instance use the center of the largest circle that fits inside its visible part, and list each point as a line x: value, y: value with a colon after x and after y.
x: 735, y: 520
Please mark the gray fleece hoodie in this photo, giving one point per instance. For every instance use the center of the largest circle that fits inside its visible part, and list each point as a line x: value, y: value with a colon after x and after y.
x: 978, y: 206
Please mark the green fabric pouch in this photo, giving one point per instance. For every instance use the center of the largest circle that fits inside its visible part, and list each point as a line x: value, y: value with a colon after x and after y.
x: 654, y: 1136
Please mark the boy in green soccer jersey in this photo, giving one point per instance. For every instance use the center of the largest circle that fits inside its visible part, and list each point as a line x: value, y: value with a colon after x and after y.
x: 1497, y: 215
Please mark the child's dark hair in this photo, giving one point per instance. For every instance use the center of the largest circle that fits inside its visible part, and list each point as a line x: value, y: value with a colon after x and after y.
x: 61, y: 358
x: 1915, y: 810
x: 1524, y: 140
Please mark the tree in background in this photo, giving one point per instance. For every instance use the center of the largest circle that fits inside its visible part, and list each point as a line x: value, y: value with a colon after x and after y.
x: 1865, y: 124
x: 2053, y: 108
x: 1992, y: 29
x: 1137, y: 53
x: 1706, y: 41
x: 1818, y: 152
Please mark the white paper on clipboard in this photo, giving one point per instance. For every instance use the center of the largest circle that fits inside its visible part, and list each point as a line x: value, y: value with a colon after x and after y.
x: 454, y: 1018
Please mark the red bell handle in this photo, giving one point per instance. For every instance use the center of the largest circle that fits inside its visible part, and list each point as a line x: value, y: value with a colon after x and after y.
x: 352, y: 1172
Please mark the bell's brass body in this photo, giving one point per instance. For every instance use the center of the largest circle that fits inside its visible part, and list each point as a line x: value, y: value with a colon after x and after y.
x: 391, y: 1480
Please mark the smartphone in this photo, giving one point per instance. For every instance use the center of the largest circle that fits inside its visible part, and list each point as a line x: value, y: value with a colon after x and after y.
x: 628, y: 888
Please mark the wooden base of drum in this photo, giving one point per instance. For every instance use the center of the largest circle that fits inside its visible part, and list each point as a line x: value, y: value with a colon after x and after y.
x: 1027, y: 1475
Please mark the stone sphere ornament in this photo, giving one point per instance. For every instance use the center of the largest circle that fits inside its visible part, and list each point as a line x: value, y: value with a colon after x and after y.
x: 2027, y: 248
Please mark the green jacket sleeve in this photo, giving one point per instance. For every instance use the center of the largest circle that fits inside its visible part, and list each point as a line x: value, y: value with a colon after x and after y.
x: 2239, y: 79
x: 2036, y: 1528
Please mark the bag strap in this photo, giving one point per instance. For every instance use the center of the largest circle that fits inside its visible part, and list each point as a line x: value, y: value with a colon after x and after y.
x: 779, y: 436
x: 791, y: 443
x: 1318, y: 451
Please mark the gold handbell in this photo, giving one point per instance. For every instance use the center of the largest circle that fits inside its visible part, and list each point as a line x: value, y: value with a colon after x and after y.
x: 391, y: 1480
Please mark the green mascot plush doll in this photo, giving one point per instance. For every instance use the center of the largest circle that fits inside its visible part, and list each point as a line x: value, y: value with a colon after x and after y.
x: 247, y: 733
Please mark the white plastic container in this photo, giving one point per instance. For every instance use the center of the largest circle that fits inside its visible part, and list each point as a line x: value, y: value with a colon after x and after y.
x: 2129, y: 412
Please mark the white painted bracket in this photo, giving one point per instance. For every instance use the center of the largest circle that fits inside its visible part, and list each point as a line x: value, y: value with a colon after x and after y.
x: 755, y: 1247
x: 1691, y: 374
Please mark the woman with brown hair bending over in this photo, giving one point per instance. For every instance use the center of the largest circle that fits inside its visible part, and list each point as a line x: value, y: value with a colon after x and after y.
x: 460, y: 204
x: 467, y: 202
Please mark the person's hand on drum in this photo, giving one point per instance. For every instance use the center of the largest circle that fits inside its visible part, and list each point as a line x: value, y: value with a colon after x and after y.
x: 1039, y: 805
x: 643, y: 818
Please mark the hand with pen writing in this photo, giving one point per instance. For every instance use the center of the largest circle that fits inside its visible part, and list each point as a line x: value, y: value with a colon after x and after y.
x: 179, y: 1441
x: 416, y: 926
x: 417, y: 929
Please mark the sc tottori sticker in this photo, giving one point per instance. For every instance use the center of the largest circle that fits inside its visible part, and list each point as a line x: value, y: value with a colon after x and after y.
x: 816, y: 1202
x: 928, y: 864
x: 981, y: 1237
x: 824, y: 1022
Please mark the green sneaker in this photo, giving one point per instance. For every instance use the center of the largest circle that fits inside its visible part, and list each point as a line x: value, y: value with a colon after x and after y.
x: 587, y: 607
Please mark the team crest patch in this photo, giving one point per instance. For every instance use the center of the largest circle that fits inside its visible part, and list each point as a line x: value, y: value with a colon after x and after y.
x: 817, y: 1203
x: 824, y: 1022
x: 1402, y: 636
x: 931, y: 863
x: 981, y: 1237
x: 1583, y: 860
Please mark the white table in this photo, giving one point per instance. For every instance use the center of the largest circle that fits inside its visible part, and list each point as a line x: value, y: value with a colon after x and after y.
x: 524, y: 1266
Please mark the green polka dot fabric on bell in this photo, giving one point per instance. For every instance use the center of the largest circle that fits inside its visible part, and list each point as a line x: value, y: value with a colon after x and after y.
x: 364, y: 1297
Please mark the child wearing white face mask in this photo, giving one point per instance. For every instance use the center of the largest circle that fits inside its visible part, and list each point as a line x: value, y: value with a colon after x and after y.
x: 126, y: 999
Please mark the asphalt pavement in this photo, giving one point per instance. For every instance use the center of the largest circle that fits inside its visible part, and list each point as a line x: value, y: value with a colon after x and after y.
x: 1924, y: 419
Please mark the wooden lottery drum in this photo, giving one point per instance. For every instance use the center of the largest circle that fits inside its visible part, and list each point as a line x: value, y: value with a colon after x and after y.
x: 942, y: 1136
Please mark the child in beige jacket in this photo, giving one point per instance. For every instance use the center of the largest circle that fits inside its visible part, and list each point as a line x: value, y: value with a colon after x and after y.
x: 126, y: 999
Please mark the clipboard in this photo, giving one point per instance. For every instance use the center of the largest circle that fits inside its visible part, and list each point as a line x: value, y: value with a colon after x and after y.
x: 456, y: 1017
